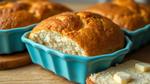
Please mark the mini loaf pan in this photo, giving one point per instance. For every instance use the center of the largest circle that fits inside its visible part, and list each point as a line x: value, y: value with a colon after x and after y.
x: 72, y: 67
x: 139, y: 37
x: 10, y: 39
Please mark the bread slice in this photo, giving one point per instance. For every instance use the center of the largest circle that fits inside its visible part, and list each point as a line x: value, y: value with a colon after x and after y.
x: 106, y: 77
x: 81, y: 33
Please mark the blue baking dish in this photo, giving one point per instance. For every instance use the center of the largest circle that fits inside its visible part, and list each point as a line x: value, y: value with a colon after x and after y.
x: 139, y: 37
x: 10, y: 39
x: 72, y: 67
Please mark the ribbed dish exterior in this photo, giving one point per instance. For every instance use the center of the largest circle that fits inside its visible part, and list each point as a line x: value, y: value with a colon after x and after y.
x: 71, y: 67
x: 139, y: 37
x: 10, y: 40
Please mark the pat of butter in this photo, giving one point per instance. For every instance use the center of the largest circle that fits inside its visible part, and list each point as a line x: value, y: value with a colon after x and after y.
x: 143, y: 67
x: 122, y: 77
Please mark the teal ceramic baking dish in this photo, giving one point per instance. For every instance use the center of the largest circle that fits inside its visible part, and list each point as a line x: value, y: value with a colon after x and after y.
x: 10, y: 40
x: 72, y: 67
x: 139, y: 37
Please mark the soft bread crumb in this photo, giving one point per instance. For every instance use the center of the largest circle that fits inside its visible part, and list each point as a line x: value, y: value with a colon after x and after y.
x: 143, y: 67
x: 106, y: 77
x: 56, y: 41
x: 122, y: 77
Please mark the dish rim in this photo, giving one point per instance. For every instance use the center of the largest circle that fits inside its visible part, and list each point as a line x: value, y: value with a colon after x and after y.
x: 83, y: 58
x: 17, y: 29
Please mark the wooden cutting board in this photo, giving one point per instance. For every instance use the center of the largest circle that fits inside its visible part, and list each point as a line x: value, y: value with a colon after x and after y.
x: 14, y: 60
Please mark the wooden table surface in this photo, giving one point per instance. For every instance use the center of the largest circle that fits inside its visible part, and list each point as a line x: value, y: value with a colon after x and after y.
x: 33, y: 74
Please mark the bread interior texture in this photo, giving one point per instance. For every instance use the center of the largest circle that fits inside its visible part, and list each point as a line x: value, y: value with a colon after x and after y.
x: 58, y: 42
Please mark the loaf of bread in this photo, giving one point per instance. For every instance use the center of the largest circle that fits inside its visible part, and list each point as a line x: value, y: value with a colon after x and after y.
x: 16, y: 19
x: 107, y: 76
x: 6, y: 8
x: 26, y: 12
x: 126, y: 13
x: 81, y: 33
x: 43, y: 9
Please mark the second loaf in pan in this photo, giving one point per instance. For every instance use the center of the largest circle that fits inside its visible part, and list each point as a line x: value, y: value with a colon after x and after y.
x: 43, y: 9
x: 26, y: 12
x: 81, y: 33
x: 126, y: 13
x: 17, y: 19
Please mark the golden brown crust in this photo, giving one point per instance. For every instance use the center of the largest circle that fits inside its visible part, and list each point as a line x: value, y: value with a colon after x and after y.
x: 89, y: 81
x: 38, y: 10
x: 9, y: 7
x: 17, y: 19
x: 33, y: 0
x: 6, y: 7
x: 44, y: 9
x: 95, y: 34
x: 125, y: 13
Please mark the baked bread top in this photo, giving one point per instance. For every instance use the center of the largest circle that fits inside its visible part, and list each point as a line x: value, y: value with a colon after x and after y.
x: 126, y: 13
x: 9, y: 7
x: 32, y: 12
x: 94, y: 34
x: 44, y: 9
x: 16, y: 19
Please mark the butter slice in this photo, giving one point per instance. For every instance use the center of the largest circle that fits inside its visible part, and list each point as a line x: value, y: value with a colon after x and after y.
x: 122, y: 77
x: 143, y: 67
